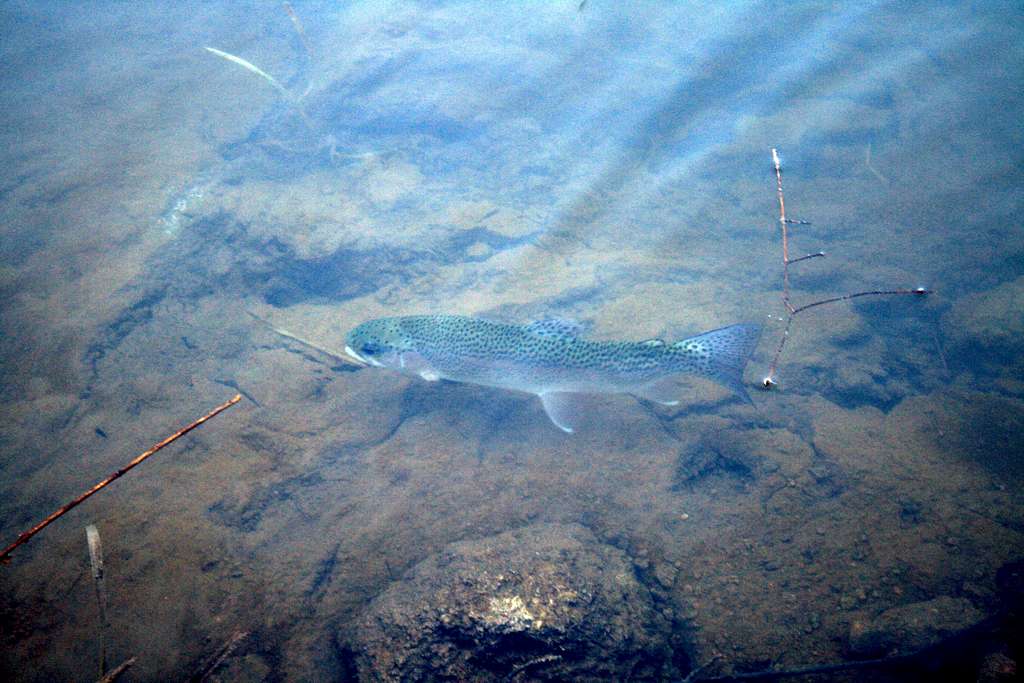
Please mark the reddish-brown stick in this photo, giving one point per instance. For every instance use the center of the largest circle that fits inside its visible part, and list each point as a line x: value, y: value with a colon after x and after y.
x: 64, y: 509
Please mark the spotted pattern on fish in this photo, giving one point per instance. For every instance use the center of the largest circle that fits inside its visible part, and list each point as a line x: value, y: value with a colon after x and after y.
x: 547, y: 356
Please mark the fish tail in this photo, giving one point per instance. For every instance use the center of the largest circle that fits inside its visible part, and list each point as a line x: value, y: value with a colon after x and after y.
x: 721, y: 355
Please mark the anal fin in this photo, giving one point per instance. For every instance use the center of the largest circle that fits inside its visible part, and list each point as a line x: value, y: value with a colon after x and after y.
x: 664, y: 391
x: 563, y: 408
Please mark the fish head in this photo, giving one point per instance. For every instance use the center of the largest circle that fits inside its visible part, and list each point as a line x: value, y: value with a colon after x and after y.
x: 379, y: 342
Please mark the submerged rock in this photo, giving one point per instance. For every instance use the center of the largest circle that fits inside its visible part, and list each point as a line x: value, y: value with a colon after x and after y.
x: 544, y: 602
x: 909, y: 628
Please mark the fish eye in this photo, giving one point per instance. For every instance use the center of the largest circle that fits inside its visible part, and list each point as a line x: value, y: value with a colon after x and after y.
x: 370, y: 348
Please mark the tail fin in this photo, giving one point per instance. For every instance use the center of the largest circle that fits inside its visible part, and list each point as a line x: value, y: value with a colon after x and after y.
x: 722, y: 354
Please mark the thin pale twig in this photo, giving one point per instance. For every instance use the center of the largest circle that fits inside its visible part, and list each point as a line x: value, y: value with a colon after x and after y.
x: 249, y: 66
x: 92, y: 537
x: 284, y: 92
x: 870, y: 166
x: 343, y: 357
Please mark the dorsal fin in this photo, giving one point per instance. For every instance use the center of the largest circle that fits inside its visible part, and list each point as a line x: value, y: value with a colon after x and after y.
x: 555, y: 327
x: 653, y: 342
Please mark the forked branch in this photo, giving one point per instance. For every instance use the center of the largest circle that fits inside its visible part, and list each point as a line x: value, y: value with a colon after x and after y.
x: 769, y: 381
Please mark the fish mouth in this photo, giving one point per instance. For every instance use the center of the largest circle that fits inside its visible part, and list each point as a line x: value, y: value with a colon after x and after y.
x: 364, y: 361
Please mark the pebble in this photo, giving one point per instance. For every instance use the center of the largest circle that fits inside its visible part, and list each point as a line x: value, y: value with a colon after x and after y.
x: 814, y: 622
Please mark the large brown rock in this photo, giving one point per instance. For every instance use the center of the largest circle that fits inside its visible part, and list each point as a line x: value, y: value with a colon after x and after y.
x: 544, y: 602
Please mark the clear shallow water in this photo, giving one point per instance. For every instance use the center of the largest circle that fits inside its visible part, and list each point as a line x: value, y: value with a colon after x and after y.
x: 610, y: 165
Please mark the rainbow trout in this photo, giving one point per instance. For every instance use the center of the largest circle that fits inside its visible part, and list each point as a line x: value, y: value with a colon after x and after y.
x: 550, y: 359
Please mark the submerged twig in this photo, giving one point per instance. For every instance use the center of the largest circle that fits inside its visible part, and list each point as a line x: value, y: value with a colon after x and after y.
x: 92, y: 537
x: 769, y: 380
x: 64, y: 509
x: 116, y: 672
x: 298, y: 29
x: 218, y: 658
x: 283, y: 91
x: 692, y: 676
x: 942, y: 351
x: 245, y: 64
x: 339, y: 356
x: 870, y: 167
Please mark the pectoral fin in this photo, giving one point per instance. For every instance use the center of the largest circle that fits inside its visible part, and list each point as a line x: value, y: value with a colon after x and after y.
x: 563, y: 408
x: 412, y: 362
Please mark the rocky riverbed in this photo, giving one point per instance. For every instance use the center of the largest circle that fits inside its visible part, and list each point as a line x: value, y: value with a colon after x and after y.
x: 354, y: 523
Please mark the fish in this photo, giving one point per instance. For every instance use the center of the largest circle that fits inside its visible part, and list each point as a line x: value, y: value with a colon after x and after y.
x: 551, y: 358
